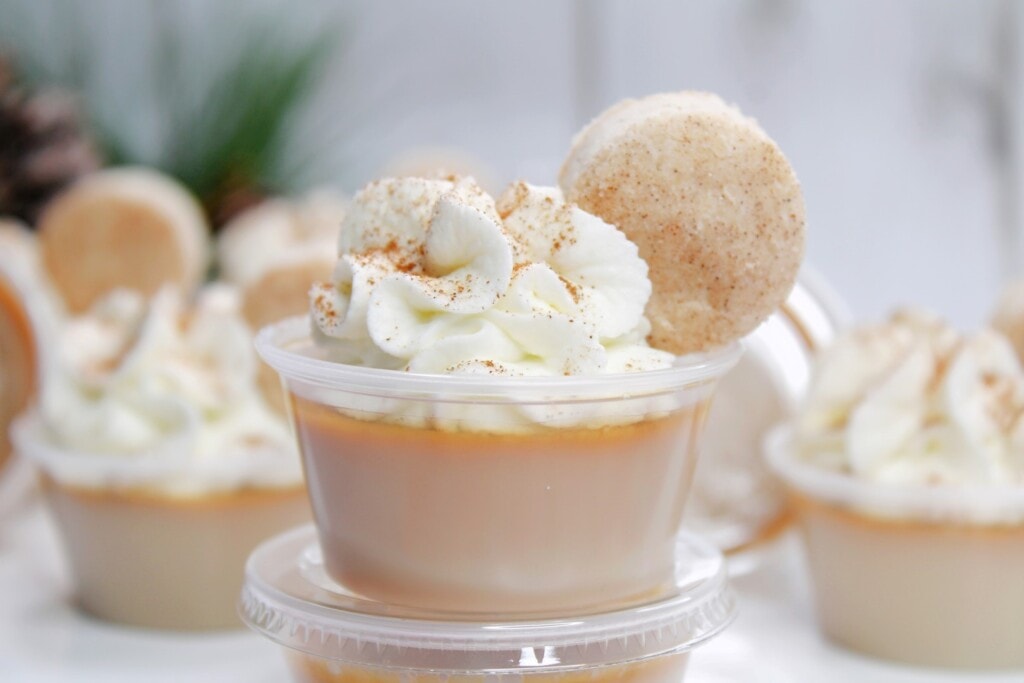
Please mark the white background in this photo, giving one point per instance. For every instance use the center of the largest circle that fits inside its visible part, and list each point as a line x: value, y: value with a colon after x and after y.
x: 903, y: 119
x: 892, y: 113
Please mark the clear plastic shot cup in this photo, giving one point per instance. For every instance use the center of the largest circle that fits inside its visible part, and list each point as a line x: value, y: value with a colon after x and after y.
x: 330, y: 635
x: 930, y: 576
x: 489, y: 493
x: 141, y: 557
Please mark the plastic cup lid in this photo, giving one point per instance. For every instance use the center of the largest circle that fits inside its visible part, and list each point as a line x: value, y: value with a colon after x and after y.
x: 289, y: 349
x: 949, y: 503
x: 288, y: 598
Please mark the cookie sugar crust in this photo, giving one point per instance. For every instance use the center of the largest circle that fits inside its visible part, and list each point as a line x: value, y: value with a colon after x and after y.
x: 713, y: 205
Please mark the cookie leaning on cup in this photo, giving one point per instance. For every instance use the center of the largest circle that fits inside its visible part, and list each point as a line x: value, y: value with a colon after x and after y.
x: 127, y: 227
x: 275, y: 251
x: 711, y: 202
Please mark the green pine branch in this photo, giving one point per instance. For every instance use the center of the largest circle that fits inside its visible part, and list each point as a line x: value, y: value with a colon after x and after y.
x: 225, y: 123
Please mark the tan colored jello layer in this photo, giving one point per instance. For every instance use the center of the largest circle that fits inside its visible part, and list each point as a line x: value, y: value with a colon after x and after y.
x: 144, y: 559
x: 551, y: 520
x: 666, y: 669
x: 948, y: 595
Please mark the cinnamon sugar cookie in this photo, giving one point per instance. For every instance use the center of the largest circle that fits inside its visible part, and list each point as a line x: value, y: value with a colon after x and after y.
x: 280, y: 292
x: 711, y: 202
x: 275, y: 252
x: 125, y: 227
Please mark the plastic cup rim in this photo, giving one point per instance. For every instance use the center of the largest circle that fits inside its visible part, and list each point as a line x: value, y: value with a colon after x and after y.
x: 148, y: 469
x: 968, y: 504
x: 292, y: 365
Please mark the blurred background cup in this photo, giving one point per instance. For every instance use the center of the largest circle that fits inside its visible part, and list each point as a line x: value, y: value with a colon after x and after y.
x: 144, y: 560
x: 927, y: 576
x: 144, y: 557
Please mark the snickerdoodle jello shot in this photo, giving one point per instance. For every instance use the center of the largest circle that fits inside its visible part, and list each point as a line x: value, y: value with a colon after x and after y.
x: 161, y: 465
x: 906, y: 468
x: 488, y: 419
x: 482, y: 425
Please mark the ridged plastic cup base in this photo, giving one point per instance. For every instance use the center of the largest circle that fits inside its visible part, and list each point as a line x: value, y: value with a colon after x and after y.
x: 331, y: 635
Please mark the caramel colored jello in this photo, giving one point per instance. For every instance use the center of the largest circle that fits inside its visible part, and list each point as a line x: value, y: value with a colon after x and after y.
x: 479, y: 494
x: 547, y: 519
x: 934, y: 593
x: 142, y: 558
x: 670, y: 669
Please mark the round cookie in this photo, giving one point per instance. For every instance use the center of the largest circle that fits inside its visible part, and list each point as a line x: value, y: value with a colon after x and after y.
x: 254, y: 239
x: 17, y: 360
x: 280, y: 230
x: 283, y: 291
x: 710, y: 201
x: 280, y: 292
x: 275, y: 252
x: 125, y: 227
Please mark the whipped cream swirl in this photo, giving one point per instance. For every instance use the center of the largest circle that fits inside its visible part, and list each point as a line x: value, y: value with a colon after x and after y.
x: 160, y: 394
x: 434, y: 276
x: 912, y: 401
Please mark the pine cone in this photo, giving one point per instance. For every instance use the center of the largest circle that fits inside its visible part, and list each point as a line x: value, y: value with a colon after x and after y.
x: 43, y: 146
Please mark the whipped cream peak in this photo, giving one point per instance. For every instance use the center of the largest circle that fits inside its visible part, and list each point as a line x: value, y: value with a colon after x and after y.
x: 984, y: 396
x: 605, y: 274
x: 434, y: 276
x: 141, y: 376
x: 96, y: 348
x: 914, y: 401
x: 394, y: 214
x: 208, y: 369
x: 193, y: 354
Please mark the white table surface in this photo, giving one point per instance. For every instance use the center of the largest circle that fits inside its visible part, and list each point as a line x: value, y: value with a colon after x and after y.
x: 44, y: 640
